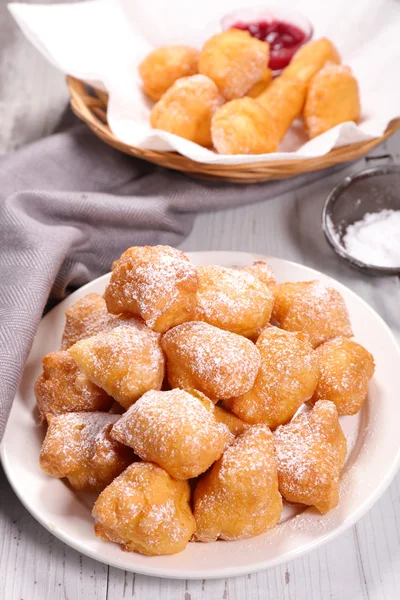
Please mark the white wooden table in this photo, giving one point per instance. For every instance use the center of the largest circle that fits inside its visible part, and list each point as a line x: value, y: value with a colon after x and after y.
x: 364, y: 562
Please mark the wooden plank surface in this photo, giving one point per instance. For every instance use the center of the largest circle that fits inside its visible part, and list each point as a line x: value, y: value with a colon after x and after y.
x: 364, y: 562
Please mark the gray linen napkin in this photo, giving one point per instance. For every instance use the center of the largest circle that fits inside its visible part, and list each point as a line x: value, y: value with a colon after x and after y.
x: 69, y: 206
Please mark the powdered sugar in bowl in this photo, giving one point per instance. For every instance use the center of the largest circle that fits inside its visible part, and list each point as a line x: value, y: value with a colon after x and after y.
x: 361, y: 220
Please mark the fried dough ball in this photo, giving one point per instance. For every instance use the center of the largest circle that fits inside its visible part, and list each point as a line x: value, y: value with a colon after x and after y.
x: 346, y: 369
x: 244, y: 127
x: 313, y: 308
x: 158, y: 283
x: 238, y: 497
x: 310, y: 58
x: 174, y: 430
x: 261, y: 85
x: 163, y: 66
x: 233, y: 299
x: 126, y: 362
x: 78, y: 446
x: 235, y: 60
x: 262, y: 270
x: 186, y: 109
x: 63, y: 387
x: 87, y: 317
x: 311, y: 451
x: 332, y: 98
x: 287, y: 377
x: 218, y: 363
x: 145, y: 510
x: 284, y: 99
x: 235, y: 425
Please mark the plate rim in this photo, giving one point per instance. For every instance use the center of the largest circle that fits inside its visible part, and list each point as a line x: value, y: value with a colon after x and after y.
x: 173, y: 573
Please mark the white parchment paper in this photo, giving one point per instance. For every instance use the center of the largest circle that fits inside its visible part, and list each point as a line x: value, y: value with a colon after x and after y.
x: 103, y: 41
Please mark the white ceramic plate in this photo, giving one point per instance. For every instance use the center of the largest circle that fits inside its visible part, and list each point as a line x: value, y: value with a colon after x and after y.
x: 372, y: 460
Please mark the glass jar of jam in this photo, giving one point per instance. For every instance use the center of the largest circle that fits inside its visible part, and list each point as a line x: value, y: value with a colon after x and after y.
x: 285, y: 30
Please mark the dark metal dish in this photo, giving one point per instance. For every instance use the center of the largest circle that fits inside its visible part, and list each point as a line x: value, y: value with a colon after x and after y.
x: 368, y: 191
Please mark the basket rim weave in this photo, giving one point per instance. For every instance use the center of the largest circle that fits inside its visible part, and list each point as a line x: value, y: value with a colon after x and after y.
x: 90, y: 105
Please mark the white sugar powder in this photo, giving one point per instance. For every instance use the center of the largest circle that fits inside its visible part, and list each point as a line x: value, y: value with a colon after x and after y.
x: 375, y: 239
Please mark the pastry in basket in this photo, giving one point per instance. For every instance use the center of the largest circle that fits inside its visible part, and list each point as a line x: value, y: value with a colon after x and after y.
x: 238, y: 497
x: 216, y: 362
x: 311, y: 451
x: 145, y: 510
x: 346, y: 369
x: 158, y: 283
x: 313, y: 308
x: 174, y: 430
x: 186, y: 109
x: 235, y: 60
x: 78, y: 446
x: 243, y: 126
x: 235, y: 425
x: 126, y: 362
x: 233, y: 299
x: 63, y: 387
x: 332, y: 98
x: 261, y: 85
x: 262, y: 270
x: 163, y: 66
x: 87, y: 317
x: 287, y: 378
x: 284, y: 100
x: 310, y: 58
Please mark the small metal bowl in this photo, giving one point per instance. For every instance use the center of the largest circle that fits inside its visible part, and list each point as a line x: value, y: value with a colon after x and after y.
x: 368, y: 191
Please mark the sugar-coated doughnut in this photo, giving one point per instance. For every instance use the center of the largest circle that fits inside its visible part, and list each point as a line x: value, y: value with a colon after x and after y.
x: 313, y: 308
x: 78, y: 446
x: 126, y: 362
x: 63, y: 387
x: 163, y: 66
x: 174, y: 430
x: 287, y: 377
x: 216, y: 362
x: 145, y: 510
x: 346, y: 369
x: 158, y: 283
x: 238, y: 497
x: 311, y: 451
x: 310, y: 58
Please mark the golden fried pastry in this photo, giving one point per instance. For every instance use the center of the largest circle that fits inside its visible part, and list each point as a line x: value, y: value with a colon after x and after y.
x: 233, y: 299
x: 238, y: 497
x: 313, y: 308
x: 186, y: 109
x: 163, y: 66
x: 87, y: 317
x: 63, y: 387
x: 284, y: 99
x: 235, y: 425
x: 287, y: 377
x: 158, y: 283
x: 174, y: 430
x: 126, y: 362
x: 211, y: 360
x: 244, y: 127
x: 235, y: 60
x: 332, y: 98
x: 78, y: 446
x: 262, y: 270
x: 346, y: 369
x: 310, y: 452
x: 145, y: 510
x: 310, y: 58
x: 261, y: 85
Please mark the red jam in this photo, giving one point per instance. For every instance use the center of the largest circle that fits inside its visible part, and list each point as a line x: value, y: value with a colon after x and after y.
x: 284, y: 39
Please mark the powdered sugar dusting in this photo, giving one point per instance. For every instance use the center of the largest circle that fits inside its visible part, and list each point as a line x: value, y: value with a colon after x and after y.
x: 174, y: 430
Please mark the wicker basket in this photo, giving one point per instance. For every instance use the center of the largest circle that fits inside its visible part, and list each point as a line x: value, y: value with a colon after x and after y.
x: 91, y: 106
